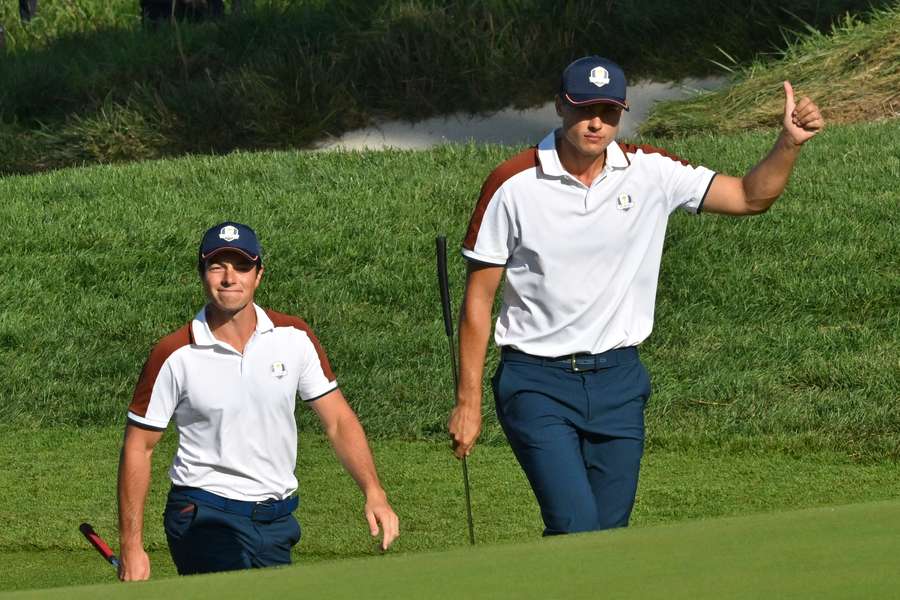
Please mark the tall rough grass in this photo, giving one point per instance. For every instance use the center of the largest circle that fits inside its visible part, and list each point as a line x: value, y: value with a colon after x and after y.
x: 83, y: 83
x: 852, y: 72
x: 782, y: 327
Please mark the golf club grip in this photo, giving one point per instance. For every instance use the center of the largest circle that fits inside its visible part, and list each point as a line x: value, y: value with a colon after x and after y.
x: 98, y: 543
x: 444, y: 283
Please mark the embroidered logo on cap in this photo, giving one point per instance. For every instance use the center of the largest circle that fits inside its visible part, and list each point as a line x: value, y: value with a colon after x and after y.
x: 278, y: 369
x: 624, y: 202
x: 229, y: 233
x: 599, y: 76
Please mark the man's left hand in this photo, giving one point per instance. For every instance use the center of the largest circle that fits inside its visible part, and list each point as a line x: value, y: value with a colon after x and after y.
x: 378, y: 511
x: 802, y: 120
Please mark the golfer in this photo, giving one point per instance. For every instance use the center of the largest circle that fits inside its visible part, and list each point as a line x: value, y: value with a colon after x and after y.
x: 577, y: 226
x: 229, y: 379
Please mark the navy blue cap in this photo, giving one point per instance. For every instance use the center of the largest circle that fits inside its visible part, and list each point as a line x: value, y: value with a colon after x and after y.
x: 230, y: 236
x: 594, y: 80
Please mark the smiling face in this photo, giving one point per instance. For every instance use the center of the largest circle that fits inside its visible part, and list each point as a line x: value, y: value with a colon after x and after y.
x: 588, y: 130
x: 230, y: 280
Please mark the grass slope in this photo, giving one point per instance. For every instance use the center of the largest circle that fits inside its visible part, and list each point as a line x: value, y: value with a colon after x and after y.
x: 825, y: 553
x: 853, y: 74
x: 54, y: 479
x: 83, y: 83
x: 783, y: 326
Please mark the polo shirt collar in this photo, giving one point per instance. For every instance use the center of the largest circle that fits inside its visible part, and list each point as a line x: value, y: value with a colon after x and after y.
x: 615, y: 157
x: 203, y: 336
x: 551, y: 165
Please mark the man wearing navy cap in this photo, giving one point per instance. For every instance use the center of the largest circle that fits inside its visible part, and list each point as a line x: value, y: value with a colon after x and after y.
x: 577, y: 226
x: 230, y: 379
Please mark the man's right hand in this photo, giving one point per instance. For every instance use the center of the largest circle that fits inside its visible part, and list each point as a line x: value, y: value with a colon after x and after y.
x: 134, y: 565
x: 464, y: 427
x: 134, y: 482
x: 474, y: 328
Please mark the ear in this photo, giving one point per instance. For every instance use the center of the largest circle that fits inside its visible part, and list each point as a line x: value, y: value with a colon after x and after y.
x: 558, y: 106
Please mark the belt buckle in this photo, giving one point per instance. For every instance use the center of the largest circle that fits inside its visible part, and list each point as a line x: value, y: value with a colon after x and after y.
x: 262, y: 510
x: 574, y: 362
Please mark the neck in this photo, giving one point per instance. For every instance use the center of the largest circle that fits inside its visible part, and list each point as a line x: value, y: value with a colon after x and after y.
x: 582, y: 167
x: 233, y: 328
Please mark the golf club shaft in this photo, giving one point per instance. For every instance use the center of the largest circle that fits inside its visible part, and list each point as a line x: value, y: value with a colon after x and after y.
x: 465, y: 464
x: 444, y: 285
x: 465, y: 469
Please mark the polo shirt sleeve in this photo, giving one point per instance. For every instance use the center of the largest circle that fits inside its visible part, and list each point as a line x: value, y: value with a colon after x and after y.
x: 155, y: 396
x: 316, y: 377
x: 491, y: 235
x: 686, y: 185
x: 158, y: 390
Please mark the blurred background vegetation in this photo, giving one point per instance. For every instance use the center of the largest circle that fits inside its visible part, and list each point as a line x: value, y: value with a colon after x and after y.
x: 84, y: 82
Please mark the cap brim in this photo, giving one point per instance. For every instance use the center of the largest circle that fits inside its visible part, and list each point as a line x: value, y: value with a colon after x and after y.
x: 228, y: 249
x: 588, y: 101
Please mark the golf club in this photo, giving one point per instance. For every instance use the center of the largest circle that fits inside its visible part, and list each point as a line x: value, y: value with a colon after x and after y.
x: 444, y: 285
x: 99, y: 544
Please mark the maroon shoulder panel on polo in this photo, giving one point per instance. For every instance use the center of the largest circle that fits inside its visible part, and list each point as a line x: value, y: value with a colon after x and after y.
x: 283, y: 320
x: 648, y: 149
x: 527, y: 159
x: 158, y: 355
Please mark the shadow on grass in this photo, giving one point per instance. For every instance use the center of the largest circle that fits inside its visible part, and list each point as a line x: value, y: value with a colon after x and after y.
x: 287, y: 74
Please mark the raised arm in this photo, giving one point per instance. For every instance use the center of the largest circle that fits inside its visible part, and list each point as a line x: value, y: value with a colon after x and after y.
x: 348, y: 439
x: 133, y: 485
x: 756, y: 191
x: 474, y: 330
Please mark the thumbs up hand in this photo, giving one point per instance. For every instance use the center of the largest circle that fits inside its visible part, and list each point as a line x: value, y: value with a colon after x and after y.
x: 802, y: 120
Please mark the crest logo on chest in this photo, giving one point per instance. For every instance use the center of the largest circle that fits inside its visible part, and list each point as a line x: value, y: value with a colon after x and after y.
x: 278, y: 369
x: 624, y: 202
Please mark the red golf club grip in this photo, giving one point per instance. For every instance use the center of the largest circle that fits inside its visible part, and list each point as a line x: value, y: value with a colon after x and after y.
x: 99, y: 544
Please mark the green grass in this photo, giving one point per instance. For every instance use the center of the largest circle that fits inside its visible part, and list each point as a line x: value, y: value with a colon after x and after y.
x: 783, y: 327
x: 853, y: 74
x: 774, y: 357
x: 56, y: 478
x: 846, y: 552
x: 82, y: 83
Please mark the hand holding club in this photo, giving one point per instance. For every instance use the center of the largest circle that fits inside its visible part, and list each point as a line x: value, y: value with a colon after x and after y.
x: 464, y: 427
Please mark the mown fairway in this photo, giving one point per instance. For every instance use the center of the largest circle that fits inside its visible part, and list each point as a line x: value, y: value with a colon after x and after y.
x: 52, y: 480
x: 844, y: 552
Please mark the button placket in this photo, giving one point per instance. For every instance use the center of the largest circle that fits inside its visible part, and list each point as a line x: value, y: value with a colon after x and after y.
x: 595, y: 184
x: 246, y: 351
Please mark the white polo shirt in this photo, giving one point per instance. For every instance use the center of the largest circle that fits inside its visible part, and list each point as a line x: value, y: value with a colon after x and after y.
x: 582, y: 262
x: 234, y: 412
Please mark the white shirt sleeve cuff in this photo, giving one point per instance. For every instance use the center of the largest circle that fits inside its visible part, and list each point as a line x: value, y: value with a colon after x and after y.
x: 483, y: 258
x: 319, y: 393
x: 152, y: 423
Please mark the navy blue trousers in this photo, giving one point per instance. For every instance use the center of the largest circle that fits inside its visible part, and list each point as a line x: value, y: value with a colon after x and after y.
x: 206, y: 539
x: 578, y: 433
